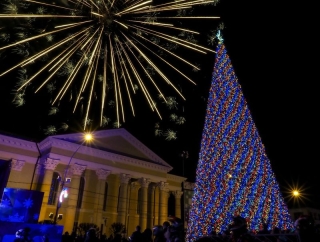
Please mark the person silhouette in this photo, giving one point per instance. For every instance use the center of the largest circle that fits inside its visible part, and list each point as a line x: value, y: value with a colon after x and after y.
x: 136, y: 235
x: 147, y: 235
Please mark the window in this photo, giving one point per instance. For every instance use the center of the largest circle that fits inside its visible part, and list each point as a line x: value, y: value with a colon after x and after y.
x: 80, y: 194
x: 54, y: 188
x: 105, y: 197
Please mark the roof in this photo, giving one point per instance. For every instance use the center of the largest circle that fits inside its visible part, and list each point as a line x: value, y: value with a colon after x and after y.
x: 117, y: 141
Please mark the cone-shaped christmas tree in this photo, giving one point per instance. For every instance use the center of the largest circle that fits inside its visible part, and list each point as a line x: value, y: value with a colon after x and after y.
x: 234, y: 175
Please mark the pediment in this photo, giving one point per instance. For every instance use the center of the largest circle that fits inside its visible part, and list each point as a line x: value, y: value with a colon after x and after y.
x: 117, y: 141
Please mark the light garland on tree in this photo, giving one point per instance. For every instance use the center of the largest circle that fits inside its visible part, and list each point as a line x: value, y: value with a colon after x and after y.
x: 234, y: 175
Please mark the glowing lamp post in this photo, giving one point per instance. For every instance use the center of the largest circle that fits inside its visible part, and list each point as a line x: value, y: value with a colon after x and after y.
x: 64, y: 190
x: 184, y: 155
x: 295, y: 193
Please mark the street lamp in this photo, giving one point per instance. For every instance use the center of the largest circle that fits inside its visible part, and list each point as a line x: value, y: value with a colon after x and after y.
x: 63, y: 191
x: 184, y: 155
x: 295, y: 193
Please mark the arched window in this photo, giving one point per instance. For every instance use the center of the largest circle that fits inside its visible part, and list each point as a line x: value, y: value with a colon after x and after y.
x: 80, y: 194
x: 54, y: 188
x: 105, y: 197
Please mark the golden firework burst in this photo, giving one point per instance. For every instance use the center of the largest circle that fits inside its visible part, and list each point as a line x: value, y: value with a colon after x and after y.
x: 88, y: 42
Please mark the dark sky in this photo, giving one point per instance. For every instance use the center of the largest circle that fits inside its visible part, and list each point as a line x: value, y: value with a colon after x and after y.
x: 274, y: 53
x: 273, y: 50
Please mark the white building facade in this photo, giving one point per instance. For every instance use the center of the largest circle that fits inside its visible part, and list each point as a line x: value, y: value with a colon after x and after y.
x: 115, y: 178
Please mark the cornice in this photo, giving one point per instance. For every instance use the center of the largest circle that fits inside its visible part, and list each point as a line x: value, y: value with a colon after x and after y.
x: 18, y: 143
x: 9, y: 155
x: 188, y: 185
x: 125, y: 135
x: 85, y: 150
x: 112, y: 167
x: 45, y: 144
x: 176, y: 178
x: 144, y: 149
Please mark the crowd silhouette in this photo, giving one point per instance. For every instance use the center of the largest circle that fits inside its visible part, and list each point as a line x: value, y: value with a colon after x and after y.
x: 305, y: 230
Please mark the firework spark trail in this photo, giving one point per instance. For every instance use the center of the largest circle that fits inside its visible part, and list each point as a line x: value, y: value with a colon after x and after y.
x: 155, y: 67
x: 47, y: 4
x: 169, y: 52
x: 52, y: 61
x: 32, y: 58
x: 35, y: 37
x: 83, y: 81
x: 38, y: 16
x: 38, y: 55
x: 93, y: 82
x: 133, y: 7
x: 63, y: 61
x: 181, y: 73
x: 122, y: 66
x: 104, y: 84
x: 145, y: 91
x: 72, y: 76
x: 176, y: 40
x: 175, y: 5
x: 114, y: 78
x: 118, y: 32
x: 148, y: 60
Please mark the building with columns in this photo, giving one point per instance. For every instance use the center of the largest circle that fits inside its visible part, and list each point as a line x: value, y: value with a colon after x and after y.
x: 115, y: 178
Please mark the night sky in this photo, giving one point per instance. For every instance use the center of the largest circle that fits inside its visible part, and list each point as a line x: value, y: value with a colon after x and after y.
x: 273, y: 50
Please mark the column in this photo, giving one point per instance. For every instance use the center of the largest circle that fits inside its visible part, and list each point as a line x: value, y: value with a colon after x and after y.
x: 45, y: 171
x: 177, y: 195
x: 156, y: 206
x: 133, y: 219
x: 100, y: 189
x: 15, y: 174
x: 144, y: 182
x: 122, y: 208
x: 150, y: 217
x: 71, y: 206
x: 163, y: 200
x: 38, y: 175
x: 113, y: 194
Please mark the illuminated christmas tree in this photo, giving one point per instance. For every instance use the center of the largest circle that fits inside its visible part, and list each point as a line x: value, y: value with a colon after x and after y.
x: 234, y: 175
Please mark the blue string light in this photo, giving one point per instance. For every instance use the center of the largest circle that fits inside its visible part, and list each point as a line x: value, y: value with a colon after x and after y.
x: 234, y: 175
